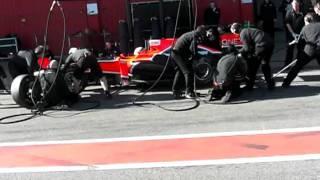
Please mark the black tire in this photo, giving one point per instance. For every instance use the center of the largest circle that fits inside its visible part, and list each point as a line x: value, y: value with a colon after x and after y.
x: 75, y: 86
x: 20, y: 90
x: 203, y: 71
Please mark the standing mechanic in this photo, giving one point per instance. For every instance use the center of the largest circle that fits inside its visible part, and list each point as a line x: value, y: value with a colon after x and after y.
x: 316, y: 9
x: 230, y: 72
x: 294, y: 23
x: 284, y: 7
x: 212, y: 15
x: 310, y: 36
x: 268, y: 17
x: 83, y: 59
x: 257, y: 49
x: 183, y: 53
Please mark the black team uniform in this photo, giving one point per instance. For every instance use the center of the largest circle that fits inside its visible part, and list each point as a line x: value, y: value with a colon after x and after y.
x: 268, y: 14
x: 310, y: 36
x: 317, y: 18
x: 316, y: 9
x: 295, y: 20
x: 212, y: 16
x: 25, y: 62
x: 257, y: 49
x: 84, y: 59
x: 231, y: 71
x: 183, y: 53
x: 284, y: 7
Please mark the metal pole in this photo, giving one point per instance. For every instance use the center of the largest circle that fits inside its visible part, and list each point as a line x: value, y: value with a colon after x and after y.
x: 283, y: 69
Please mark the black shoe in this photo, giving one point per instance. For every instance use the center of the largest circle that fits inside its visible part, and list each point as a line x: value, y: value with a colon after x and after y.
x: 190, y: 95
x: 108, y: 95
x: 215, y: 94
x: 285, y: 85
x: 177, y: 95
x: 271, y: 85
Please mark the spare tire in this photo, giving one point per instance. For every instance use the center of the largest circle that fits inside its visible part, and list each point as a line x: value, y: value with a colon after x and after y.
x: 21, y: 90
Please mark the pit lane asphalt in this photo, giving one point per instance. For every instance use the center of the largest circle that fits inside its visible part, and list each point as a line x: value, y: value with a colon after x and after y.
x: 294, y: 107
x: 279, y: 109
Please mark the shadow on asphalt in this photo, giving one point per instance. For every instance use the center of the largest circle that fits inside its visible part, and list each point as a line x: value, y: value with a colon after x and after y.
x: 124, y: 100
x: 158, y: 97
x: 294, y: 91
x: 310, y: 78
x: 97, y: 101
x: 94, y: 100
x: 161, y: 95
x: 306, y: 78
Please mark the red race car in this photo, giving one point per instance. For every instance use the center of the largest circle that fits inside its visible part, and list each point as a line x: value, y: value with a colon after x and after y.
x: 146, y: 65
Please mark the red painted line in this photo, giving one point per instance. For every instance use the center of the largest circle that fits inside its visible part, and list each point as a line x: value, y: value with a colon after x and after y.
x: 189, y: 149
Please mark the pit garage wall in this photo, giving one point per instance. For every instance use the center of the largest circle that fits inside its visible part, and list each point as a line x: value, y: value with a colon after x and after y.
x: 231, y: 10
x: 27, y: 18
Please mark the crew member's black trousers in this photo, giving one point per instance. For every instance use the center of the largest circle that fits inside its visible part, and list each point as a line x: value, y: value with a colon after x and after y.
x: 184, y: 70
x: 253, y: 65
x: 290, y: 51
x: 289, y: 54
x: 303, y: 59
x: 268, y: 27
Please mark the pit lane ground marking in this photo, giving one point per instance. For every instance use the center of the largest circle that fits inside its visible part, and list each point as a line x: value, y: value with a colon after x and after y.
x: 162, y: 151
x: 165, y: 137
x: 177, y: 164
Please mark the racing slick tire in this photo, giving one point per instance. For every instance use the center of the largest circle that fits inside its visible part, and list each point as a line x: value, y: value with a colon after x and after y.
x: 21, y: 90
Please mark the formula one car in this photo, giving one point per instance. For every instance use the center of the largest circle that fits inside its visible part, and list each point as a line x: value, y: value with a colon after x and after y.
x: 45, y: 88
x: 146, y: 65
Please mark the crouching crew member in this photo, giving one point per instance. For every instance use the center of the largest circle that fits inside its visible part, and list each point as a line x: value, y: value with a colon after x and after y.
x: 310, y: 37
x: 184, y: 51
x: 25, y: 62
x: 230, y: 72
x: 84, y: 60
x: 257, y: 49
x: 55, y: 88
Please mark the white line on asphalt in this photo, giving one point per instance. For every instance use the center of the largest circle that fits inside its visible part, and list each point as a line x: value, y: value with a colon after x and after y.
x: 161, y: 164
x: 164, y: 137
